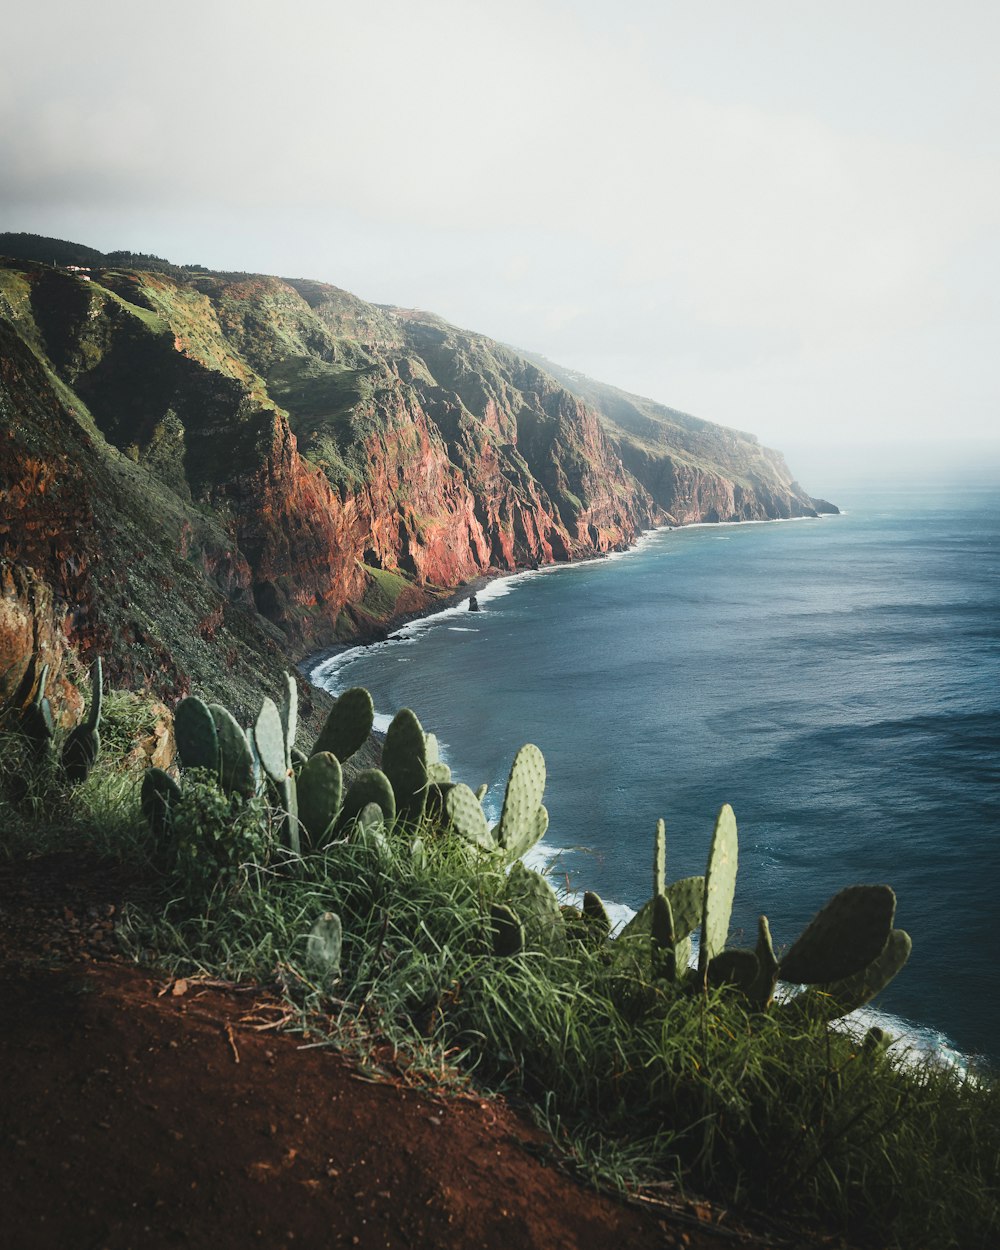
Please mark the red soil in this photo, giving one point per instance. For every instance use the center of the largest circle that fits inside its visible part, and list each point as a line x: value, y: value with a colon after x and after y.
x: 137, y: 1112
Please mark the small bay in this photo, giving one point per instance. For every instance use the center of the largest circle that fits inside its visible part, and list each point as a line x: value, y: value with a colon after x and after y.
x: 836, y: 680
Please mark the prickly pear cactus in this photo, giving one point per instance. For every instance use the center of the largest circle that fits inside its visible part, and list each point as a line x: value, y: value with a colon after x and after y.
x: 761, y: 991
x: 195, y: 732
x: 686, y: 898
x: 849, y: 932
x: 370, y: 786
x: 535, y: 902
x: 36, y: 723
x: 404, y: 762
x: 521, y: 825
x: 839, y: 998
x: 288, y: 710
x: 661, y: 927
x: 464, y: 813
x: 235, y: 757
x: 84, y: 742
x: 734, y: 967
x: 320, y: 788
x: 158, y: 795
x: 596, y: 915
x: 269, y: 738
x: 660, y: 859
x: 506, y: 931
x: 720, y: 886
x: 323, y: 948
x: 348, y: 724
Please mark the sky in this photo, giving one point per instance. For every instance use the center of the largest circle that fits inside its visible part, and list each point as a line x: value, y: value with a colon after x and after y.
x: 783, y: 215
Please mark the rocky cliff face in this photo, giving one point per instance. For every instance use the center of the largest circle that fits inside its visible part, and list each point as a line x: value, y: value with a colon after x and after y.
x: 195, y: 465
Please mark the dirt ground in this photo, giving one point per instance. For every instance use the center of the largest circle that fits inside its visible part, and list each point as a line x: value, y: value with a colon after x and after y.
x: 137, y: 1112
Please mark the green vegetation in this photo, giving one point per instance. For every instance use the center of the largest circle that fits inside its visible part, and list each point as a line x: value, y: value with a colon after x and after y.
x: 409, y: 921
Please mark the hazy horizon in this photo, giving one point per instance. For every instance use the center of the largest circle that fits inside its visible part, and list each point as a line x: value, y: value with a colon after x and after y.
x: 784, y: 220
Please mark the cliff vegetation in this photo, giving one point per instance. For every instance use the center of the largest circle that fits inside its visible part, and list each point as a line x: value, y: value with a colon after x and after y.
x: 205, y: 473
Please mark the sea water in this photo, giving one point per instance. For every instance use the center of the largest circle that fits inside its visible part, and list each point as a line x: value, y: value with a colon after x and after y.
x: 835, y: 680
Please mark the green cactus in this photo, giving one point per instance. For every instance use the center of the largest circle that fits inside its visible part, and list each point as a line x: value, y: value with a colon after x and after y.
x: 323, y: 948
x: 660, y: 859
x: 158, y: 795
x: 348, y: 725
x: 849, y: 932
x: 196, y: 735
x: 236, y: 775
x: 839, y: 998
x: 36, y: 723
x: 404, y: 762
x: 506, y: 931
x: 596, y: 915
x: 480, y: 791
x: 370, y: 786
x: 734, y: 967
x: 536, y: 903
x: 274, y: 755
x: 84, y: 742
x: 288, y: 710
x: 686, y: 898
x: 269, y: 738
x: 523, y: 819
x: 762, y: 989
x: 464, y: 813
x: 720, y: 886
x: 320, y: 788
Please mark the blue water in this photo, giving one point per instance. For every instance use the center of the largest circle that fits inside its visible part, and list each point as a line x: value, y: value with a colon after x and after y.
x: 835, y: 680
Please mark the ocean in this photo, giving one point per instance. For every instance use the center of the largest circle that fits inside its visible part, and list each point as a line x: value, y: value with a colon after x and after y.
x: 835, y: 680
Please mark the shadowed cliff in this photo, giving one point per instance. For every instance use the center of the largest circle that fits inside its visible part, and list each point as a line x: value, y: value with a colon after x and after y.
x: 198, y: 466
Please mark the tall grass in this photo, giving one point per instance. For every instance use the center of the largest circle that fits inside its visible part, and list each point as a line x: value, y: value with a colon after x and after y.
x: 641, y: 1080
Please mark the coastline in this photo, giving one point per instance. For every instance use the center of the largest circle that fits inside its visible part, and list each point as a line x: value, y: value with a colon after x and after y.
x: 311, y: 663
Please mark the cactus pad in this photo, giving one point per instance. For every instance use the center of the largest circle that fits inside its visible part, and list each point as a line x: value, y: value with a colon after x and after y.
x: 523, y: 798
x: 194, y: 730
x: 269, y: 738
x: 235, y: 756
x: 535, y: 902
x: 762, y: 989
x: 465, y: 814
x: 844, y: 996
x: 734, y: 967
x: 843, y: 938
x: 320, y: 787
x: 506, y: 931
x: 596, y: 914
x: 660, y: 859
x: 323, y: 947
x: 661, y: 925
x: 158, y: 795
x: 288, y: 710
x: 80, y: 753
x: 404, y: 762
x: 370, y: 786
x: 720, y: 886
x: 348, y: 724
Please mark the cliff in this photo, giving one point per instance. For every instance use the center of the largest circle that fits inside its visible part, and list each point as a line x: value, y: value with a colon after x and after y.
x: 198, y: 465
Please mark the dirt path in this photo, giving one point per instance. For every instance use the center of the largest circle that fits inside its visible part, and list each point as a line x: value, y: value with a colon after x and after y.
x: 134, y: 1113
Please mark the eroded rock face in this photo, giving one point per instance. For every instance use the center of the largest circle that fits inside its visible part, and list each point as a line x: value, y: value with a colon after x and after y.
x: 201, y: 477
x: 32, y: 634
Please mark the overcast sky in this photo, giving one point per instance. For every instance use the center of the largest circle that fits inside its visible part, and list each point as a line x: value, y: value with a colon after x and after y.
x: 783, y: 216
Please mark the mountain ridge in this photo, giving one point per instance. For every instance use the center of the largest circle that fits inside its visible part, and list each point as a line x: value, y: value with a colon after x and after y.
x: 273, y: 466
